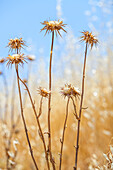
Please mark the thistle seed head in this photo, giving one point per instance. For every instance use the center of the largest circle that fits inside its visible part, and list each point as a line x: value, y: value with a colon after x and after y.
x: 43, y: 92
x: 30, y: 57
x: 89, y: 38
x: 69, y: 90
x: 1, y: 73
x: 51, y: 26
x: 2, y: 60
x: 16, y: 43
x: 15, y: 59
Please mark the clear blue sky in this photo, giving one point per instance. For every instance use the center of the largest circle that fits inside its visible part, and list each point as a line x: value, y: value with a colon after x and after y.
x: 21, y: 18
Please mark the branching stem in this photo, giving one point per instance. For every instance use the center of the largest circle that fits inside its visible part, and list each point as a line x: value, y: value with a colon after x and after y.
x: 25, y: 127
x: 37, y: 116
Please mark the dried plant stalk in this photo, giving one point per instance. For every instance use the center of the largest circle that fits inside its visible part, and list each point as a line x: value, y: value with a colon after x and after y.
x: 63, y: 135
x: 75, y: 110
x: 51, y: 26
x: 37, y: 116
x: 80, y: 111
x: 40, y: 109
x: 49, y: 105
x: 25, y: 127
x: 89, y: 40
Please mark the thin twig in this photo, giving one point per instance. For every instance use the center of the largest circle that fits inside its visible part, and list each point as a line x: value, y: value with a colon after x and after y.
x: 28, y: 78
x: 49, y: 106
x: 63, y: 135
x: 40, y: 109
x: 75, y: 111
x: 40, y: 129
x: 80, y: 111
x: 25, y: 127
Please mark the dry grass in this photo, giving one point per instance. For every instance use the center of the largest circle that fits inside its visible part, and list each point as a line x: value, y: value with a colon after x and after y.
x: 96, y: 123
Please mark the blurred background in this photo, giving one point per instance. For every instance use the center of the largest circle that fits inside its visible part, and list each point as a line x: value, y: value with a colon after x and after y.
x: 23, y: 19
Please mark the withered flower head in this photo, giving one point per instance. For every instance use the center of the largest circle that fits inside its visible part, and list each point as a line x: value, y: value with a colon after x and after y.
x: 30, y: 57
x: 89, y: 38
x: 51, y: 26
x: 75, y: 91
x: 66, y: 91
x: 43, y: 92
x: 1, y: 73
x: 69, y: 90
x: 2, y: 60
x: 15, y: 59
x: 16, y: 43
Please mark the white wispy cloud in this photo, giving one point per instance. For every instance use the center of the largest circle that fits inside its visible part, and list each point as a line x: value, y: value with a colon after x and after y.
x: 59, y: 8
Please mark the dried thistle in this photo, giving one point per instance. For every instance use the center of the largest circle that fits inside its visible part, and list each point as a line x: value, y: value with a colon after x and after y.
x: 16, y: 59
x: 16, y: 43
x: 2, y: 60
x: 43, y: 92
x: 69, y: 90
x: 75, y: 91
x: 30, y: 57
x: 1, y: 72
x: 51, y: 26
x: 66, y: 91
x: 89, y: 38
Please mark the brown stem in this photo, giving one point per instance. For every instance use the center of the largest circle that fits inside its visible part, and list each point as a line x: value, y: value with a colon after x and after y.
x: 81, y: 102
x: 49, y: 106
x: 40, y: 109
x: 40, y: 129
x: 28, y: 77
x: 62, y: 140
x: 75, y: 114
x: 25, y: 127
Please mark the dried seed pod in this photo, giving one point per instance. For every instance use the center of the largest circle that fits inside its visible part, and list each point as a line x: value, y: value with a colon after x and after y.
x: 43, y: 92
x: 89, y: 38
x: 51, y: 26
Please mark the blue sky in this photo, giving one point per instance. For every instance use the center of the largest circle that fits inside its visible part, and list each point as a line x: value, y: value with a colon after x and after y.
x: 22, y: 19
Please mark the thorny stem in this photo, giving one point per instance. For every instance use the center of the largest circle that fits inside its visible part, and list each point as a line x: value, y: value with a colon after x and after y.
x: 25, y: 127
x: 49, y: 106
x: 40, y: 129
x: 80, y: 111
x: 64, y: 128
